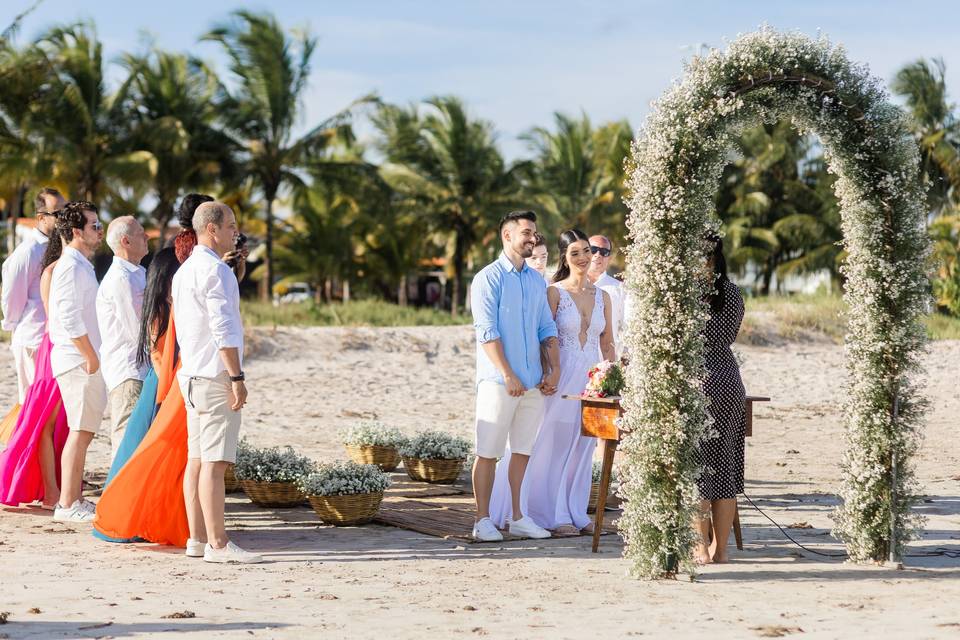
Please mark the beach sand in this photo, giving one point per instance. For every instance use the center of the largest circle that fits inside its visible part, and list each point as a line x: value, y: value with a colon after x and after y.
x: 56, y: 580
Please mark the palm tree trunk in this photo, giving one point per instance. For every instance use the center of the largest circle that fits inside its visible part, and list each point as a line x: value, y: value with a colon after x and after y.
x: 268, y: 290
x: 345, y: 288
x: 402, y: 291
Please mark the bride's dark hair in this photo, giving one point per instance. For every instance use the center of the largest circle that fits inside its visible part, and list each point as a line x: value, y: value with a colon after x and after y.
x: 567, y: 238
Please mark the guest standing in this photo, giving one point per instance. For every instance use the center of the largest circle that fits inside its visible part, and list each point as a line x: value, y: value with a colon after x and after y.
x: 23, y: 312
x: 601, y: 249
x: 721, y: 456
x: 119, y: 305
x: 206, y: 309
x: 75, y: 357
x: 513, y: 323
x: 538, y: 260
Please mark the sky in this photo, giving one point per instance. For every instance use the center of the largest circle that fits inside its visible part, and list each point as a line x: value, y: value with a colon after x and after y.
x: 515, y: 63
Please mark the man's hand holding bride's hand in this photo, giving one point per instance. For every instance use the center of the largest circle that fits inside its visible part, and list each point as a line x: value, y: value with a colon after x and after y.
x: 548, y: 386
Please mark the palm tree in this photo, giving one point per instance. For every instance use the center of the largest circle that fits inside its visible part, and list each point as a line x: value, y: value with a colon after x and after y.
x: 86, y: 126
x: 935, y: 127
x: 271, y: 69
x: 25, y: 154
x: 170, y: 99
x: 447, y: 165
x: 578, y: 175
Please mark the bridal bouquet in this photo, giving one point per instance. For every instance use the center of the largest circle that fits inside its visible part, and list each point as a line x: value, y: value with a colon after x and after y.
x: 605, y: 380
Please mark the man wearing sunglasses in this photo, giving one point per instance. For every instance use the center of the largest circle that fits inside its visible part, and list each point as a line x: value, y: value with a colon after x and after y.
x: 602, y: 249
x: 20, y: 301
x: 75, y: 357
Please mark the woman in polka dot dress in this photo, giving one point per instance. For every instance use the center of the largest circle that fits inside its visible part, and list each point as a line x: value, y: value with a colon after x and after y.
x: 721, y: 456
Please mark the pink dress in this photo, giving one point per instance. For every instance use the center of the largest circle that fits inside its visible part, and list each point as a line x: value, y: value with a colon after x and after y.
x: 21, y: 480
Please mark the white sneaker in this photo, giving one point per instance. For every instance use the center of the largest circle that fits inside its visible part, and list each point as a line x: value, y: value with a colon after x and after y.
x: 194, y: 548
x: 74, y: 513
x: 86, y: 505
x: 484, y: 531
x: 527, y: 528
x: 230, y: 553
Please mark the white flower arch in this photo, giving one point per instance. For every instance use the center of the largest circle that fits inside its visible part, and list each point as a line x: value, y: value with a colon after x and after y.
x: 674, y: 171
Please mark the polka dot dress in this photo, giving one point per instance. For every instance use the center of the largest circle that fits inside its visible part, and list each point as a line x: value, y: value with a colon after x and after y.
x: 722, y: 456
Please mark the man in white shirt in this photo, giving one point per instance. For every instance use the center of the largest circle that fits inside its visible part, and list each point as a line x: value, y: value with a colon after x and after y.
x: 602, y: 248
x: 206, y: 309
x: 75, y: 357
x: 119, y: 302
x: 20, y: 301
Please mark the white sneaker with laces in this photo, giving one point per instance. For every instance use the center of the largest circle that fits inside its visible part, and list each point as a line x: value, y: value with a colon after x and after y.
x: 74, y: 513
x: 485, y: 531
x: 527, y: 528
x: 194, y: 548
x: 86, y: 505
x: 230, y: 553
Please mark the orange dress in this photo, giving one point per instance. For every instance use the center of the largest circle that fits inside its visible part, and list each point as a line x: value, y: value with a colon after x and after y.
x: 8, y: 423
x: 145, y: 499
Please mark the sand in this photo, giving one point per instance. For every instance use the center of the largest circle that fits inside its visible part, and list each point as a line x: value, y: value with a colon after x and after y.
x: 56, y: 580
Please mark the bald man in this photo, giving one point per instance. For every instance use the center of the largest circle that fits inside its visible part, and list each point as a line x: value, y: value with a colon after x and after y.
x: 602, y: 250
x: 119, y: 303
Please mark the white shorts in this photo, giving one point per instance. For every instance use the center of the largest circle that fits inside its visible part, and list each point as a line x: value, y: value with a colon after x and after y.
x: 213, y: 428
x: 23, y: 361
x: 500, y: 415
x: 84, y: 398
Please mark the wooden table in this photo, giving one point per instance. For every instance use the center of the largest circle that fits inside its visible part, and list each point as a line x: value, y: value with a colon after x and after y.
x: 599, y: 417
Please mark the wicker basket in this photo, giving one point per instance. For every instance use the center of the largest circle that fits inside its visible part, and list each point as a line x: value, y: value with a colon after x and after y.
x: 273, y: 494
x: 387, y: 458
x: 594, y: 496
x: 358, y: 508
x: 230, y: 482
x: 434, y: 471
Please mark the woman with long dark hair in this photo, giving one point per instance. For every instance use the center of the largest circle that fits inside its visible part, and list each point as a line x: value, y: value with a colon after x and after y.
x: 556, y: 487
x: 722, y: 456
x: 30, y: 464
x: 154, y: 321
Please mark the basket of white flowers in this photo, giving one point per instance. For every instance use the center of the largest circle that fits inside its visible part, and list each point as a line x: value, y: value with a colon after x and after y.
x: 269, y: 476
x: 595, y: 487
x: 372, y: 442
x: 434, y: 456
x: 345, y: 493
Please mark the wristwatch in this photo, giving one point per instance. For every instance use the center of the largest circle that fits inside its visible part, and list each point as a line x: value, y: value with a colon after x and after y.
x: 239, y: 378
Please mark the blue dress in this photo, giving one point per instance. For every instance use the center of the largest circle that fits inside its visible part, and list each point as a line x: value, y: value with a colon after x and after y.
x: 137, y: 426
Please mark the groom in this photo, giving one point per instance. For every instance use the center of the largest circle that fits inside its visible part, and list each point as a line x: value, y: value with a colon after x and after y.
x: 513, y: 321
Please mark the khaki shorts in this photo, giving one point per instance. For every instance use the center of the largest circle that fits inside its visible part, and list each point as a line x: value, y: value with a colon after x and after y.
x: 500, y: 415
x: 23, y: 361
x: 84, y: 398
x: 213, y: 428
x: 123, y: 399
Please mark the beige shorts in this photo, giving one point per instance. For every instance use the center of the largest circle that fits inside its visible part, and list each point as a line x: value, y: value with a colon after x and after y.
x: 123, y: 399
x: 501, y: 416
x: 213, y: 428
x: 23, y: 361
x: 84, y: 398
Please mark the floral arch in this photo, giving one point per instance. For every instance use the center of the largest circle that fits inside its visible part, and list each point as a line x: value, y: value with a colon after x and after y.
x: 674, y: 172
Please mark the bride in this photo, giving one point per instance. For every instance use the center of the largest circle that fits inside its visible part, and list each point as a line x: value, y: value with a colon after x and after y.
x: 556, y: 486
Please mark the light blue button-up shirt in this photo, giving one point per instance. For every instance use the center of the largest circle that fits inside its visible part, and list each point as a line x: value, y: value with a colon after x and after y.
x: 511, y: 306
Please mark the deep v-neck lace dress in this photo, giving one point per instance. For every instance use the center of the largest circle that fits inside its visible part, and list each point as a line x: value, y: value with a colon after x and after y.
x: 556, y: 487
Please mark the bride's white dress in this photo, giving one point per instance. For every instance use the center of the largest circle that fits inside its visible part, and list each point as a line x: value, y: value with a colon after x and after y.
x: 556, y: 486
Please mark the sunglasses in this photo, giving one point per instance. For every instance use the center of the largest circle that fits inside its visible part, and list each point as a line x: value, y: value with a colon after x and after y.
x: 603, y: 251
x: 97, y: 225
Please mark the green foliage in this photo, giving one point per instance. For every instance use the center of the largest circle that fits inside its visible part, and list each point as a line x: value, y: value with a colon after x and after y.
x: 362, y: 313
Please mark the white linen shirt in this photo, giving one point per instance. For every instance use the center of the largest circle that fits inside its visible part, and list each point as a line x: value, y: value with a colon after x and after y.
x: 23, y: 312
x: 73, y: 310
x: 119, y: 306
x: 614, y: 288
x: 206, y: 313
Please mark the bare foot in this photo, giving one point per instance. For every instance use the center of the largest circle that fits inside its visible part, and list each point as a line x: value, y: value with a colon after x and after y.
x: 588, y: 530
x: 701, y: 555
x: 720, y: 558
